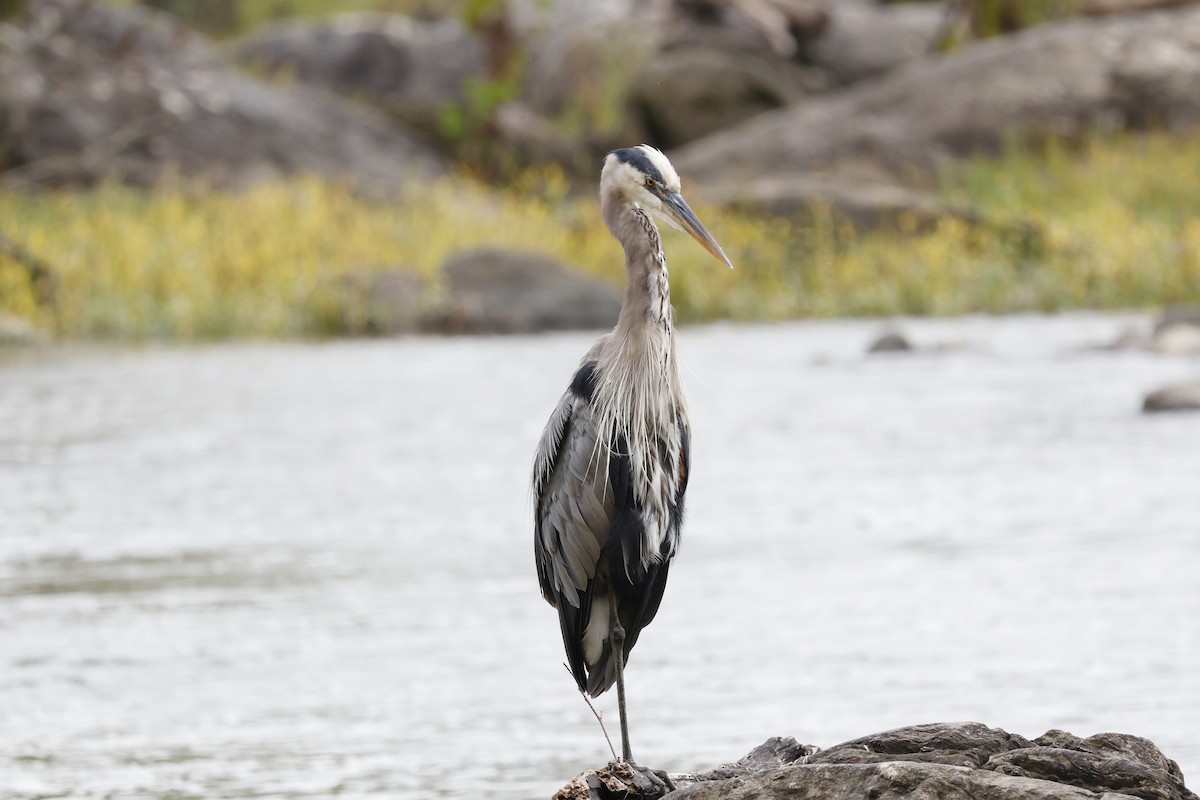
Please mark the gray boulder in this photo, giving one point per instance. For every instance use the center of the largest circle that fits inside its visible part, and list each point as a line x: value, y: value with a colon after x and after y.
x: 411, y: 68
x: 1182, y: 397
x: 1064, y: 79
x: 863, y: 40
x: 1178, y: 315
x: 721, y: 62
x: 941, y: 761
x: 499, y: 291
x: 93, y: 91
x: 1176, y: 339
x: 891, y: 342
x: 686, y: 93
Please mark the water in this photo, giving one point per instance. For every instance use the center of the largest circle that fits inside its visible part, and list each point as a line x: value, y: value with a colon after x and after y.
x: 284, y: 571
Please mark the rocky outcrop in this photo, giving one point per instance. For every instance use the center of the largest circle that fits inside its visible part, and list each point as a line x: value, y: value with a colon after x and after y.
x: 864, y: 40
x: 686, y: 93
x: 724, y: 62
x: 94, y: 91
x: 950, y: 761
x: 499, y: 291
x: 1065, y: 79
x: 411, y: 68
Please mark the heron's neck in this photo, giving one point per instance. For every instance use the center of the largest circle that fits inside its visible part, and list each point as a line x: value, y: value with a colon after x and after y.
x: 646, y: 310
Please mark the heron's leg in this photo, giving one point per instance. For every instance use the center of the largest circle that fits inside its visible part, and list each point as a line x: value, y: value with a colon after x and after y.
x: 616, y: 640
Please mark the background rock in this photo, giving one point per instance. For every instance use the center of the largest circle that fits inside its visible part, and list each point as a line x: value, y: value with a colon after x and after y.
x: 93, y: 91
x: 865, y: 204
x: 373, y: 302
x: 689, y: 92
x: 413, y: 69
x: 1183, y: 397
x: 1176, y: 339
x: 891, y: 342
x: 499, y: 291
x: 1064, y: 79
x: 863, y: 39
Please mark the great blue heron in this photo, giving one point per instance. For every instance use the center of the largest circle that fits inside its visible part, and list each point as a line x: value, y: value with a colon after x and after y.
x: 612, y: 464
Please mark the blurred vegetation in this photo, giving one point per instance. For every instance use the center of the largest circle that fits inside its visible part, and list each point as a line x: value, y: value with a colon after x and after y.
x: 1115, y: 224
x: 11, y: 8
x: 998, y: 17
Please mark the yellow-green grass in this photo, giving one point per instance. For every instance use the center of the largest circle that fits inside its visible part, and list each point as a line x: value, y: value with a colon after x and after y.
x: 1115, y: 224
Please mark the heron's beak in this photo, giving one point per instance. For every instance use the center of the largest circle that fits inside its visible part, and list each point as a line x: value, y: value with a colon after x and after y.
x: 683, y: 216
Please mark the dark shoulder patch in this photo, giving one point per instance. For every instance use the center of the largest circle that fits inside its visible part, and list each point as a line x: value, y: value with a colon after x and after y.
x: 637, y: 159
x: 583, y: 385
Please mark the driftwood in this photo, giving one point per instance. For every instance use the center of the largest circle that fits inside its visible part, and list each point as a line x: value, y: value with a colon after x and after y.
x: 956, y: 760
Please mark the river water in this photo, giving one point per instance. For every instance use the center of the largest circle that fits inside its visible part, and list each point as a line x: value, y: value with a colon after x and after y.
x: 285, y: 571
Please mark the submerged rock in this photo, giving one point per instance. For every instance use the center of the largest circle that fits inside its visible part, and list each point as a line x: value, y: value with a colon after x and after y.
x: 891, y: 342
x: 1183, y: 397
x: 958, y: 760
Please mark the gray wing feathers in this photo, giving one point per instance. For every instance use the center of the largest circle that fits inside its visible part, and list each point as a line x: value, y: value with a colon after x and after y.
x: 574, y: 505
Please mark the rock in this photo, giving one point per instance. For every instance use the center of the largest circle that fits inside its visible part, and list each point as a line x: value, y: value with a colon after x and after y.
x: 891, y: 342
x: 1064, y: 79
x: 781, y: 25
x: 722, y: 62
x: 1183, y: 397
x: 867, y: 205
x: 1131, y: 338
x: 775, y: 752
x: 1178, y: 315
x: 586, y: 59
x: 94, y: 91
x: 1176, y: 339
x: 887, y: 780
x: 620, y: 780
x: 411, y: 68
x: 966, y: 744
x: 18, y: 331
x: 1095, y: 771
x: 689, y: 92
x: 531, y: 138
x: 498, y: 291
x: 942, y: 761
x: 372, y: 302
x: 863, y: 40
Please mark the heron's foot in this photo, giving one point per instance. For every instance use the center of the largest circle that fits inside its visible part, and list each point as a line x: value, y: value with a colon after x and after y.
x: 628, y: 779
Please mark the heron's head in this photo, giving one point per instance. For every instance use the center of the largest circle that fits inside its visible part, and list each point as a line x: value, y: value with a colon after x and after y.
x: 642, y: 177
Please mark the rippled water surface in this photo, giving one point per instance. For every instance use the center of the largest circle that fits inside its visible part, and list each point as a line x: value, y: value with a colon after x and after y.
x: 297, y: 570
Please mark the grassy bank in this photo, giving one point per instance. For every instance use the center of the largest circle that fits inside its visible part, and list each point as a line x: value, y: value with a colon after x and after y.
x: 1114, y: 225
